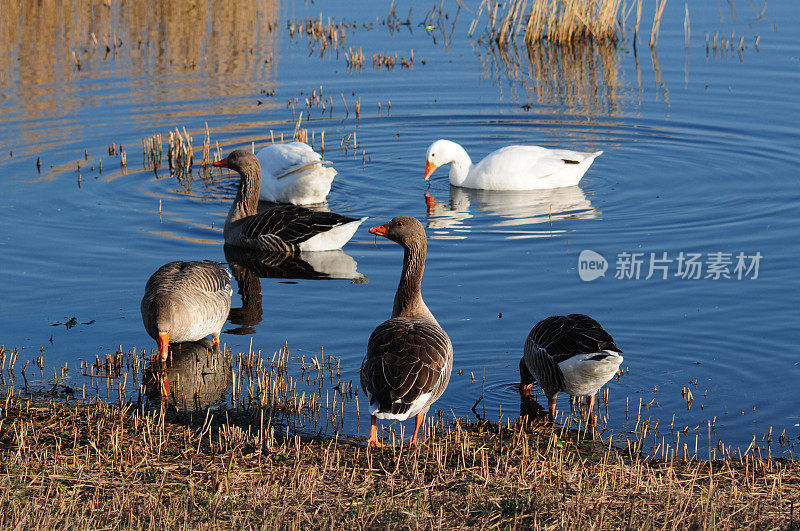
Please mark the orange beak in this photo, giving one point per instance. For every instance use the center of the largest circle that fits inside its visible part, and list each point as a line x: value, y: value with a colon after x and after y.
x: 430, y: 167
x: 163, y: 345
x: 380, y: 230
x: 221, y: 163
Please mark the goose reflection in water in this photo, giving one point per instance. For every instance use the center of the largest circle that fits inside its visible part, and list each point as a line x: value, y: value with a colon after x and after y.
x: 516, y: 209
x: 250, y: 266
x: 195, y: 376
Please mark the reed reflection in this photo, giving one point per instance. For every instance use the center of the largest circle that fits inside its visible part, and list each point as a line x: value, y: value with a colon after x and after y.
x: 195, y: 376
x: 585, y: 76
x: 513, y: 209
x: 160, y: 52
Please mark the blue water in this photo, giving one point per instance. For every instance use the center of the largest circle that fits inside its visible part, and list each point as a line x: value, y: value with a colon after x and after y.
x: 700, y: 156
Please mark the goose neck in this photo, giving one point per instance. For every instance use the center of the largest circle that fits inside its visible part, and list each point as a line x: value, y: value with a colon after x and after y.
x: 460, y: 166
x: 408, y: 299
x: 246, y: 202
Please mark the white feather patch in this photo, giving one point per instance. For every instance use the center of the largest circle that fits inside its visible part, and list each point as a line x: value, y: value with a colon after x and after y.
x: 332, y: 239
x: 585, y: 376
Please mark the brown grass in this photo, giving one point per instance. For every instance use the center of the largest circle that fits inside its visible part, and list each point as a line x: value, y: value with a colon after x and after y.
x: 99, y: 465
x: 562, y: 22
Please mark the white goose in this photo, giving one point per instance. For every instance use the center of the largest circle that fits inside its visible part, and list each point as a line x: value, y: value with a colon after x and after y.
x: 570, y: 353
x: 511, y: 167
x: 294, y: 173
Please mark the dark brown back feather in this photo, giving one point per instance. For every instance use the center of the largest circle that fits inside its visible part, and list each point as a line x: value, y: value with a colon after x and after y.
x: 406, y: 358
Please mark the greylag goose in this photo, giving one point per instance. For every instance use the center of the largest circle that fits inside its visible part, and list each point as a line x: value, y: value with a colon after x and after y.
x: 287, y: 228
x: 186, y: 301
x: 569, y: 353
x: 294, y: 173
x: 511, y: 167
x: 409, y: 357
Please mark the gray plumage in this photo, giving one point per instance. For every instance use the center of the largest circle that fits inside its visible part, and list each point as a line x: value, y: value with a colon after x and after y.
x: 188, y: 300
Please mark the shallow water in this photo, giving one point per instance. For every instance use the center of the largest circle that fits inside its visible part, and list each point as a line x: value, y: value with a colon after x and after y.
x: 700, y: 156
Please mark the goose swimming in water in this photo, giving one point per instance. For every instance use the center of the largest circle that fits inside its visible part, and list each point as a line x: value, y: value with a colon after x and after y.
x: 409, y: 357
x: 511, y: 167
x: 571, y: 354
x: 293, y: 173
x: 286, y: 228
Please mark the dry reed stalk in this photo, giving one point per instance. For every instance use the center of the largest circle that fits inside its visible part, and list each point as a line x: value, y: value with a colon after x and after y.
x: 660, y: 5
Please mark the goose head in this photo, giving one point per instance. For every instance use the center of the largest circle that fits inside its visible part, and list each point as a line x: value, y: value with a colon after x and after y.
x: 241, y: 161
x: 444, y: 152
x: 405, y: 230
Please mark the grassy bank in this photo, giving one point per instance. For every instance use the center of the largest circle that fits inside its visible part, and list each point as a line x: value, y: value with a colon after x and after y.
x: 101, y: 466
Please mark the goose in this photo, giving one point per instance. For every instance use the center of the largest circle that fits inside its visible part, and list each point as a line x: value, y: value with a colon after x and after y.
x: 186, y: 301
x: 409, y: 357
x: 287, y: 228
x: 571, y: 353
x: 294, y: 173
x: 511, y: 167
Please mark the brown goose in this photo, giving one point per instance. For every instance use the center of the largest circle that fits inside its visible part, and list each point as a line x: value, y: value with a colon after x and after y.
x: 409, y: 357
x: 570, y: 353
x: 186, y: 301
x: 287, y: 228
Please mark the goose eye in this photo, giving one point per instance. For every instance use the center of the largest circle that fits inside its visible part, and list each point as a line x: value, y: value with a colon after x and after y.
x: 399, y: 224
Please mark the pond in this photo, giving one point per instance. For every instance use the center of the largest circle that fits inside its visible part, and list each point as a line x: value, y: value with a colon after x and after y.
x: 700, y: 160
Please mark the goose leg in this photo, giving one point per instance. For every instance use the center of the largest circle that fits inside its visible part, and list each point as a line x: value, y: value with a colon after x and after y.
x: 525, y: 389
x: 215, y: 342
x: 551, y: 404
x: 418, y: 422
x: 373, y: 433
x: 592, y: 418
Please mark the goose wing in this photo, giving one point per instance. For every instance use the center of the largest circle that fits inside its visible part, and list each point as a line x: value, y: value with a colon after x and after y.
x: 407, y: 366
x: 562, y: 337
x: 204, y: 275
x: 281, y: 160
x: 291, y: 224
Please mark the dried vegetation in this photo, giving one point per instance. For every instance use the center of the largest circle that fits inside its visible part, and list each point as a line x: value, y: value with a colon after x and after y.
x: 69, y: 462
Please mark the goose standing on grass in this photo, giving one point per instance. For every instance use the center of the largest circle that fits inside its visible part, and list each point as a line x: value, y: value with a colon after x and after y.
x: 569, y: 353
x: 294, y: 173
x: 511, y: 167
x: 186, y: 301
x: 287, y: 228
x: 409, y: 357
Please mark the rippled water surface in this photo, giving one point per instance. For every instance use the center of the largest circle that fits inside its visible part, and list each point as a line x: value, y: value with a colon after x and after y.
x: 700, y: 156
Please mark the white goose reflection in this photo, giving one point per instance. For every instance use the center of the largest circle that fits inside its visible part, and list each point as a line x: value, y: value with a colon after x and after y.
x: 249, y: 266
x: 517, y: 212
